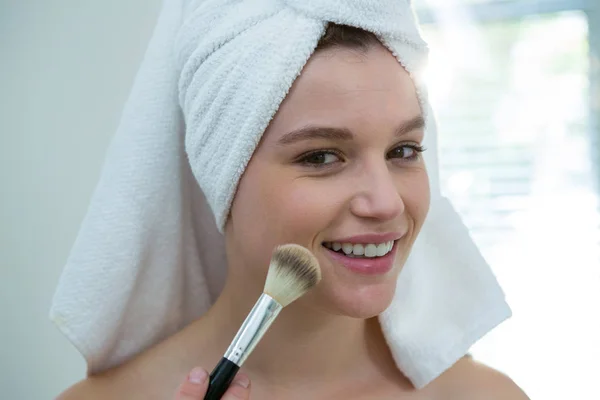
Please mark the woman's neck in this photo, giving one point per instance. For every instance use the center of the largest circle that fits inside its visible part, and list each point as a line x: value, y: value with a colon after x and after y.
x: 302, y: 344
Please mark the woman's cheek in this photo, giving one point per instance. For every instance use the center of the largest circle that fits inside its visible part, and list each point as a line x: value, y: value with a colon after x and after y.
x: 310, y: 206
x: 422, y: 199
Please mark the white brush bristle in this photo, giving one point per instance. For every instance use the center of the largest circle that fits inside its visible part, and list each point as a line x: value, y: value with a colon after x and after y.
x: 293, y: 271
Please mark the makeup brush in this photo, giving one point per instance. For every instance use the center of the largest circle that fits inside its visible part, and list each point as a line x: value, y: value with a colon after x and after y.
x: 293, y: 271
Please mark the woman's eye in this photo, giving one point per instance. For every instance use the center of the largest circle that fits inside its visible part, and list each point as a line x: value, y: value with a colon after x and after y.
x: 406, y: 152
x: 320, y: 158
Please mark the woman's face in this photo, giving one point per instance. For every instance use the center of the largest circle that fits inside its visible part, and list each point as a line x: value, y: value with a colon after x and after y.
x: 339, y: 165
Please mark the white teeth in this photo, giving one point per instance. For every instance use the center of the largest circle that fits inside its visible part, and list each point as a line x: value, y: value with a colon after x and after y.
x: 370, y: 250
x: 358, y: 250
x: 362, y: 250
x: 347, y: 248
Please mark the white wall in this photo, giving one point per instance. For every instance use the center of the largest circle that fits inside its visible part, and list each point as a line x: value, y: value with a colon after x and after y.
x: 66, y: 68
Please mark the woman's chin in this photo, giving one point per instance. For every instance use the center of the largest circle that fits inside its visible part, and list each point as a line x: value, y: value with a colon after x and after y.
x: 360, y: 302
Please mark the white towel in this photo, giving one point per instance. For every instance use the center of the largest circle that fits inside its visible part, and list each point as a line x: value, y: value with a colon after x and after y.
x: 149, y: 257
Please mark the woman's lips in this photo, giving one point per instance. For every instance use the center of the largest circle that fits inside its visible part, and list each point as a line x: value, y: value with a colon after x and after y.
x: 364, y: 265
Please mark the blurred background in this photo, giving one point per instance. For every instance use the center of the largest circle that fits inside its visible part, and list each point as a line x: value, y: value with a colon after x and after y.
x: 515, y: 84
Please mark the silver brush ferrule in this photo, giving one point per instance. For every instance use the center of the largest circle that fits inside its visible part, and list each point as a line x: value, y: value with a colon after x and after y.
x: 252, y: 330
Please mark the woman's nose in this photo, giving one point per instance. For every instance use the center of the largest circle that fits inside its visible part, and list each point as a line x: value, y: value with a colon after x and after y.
x: 377, y: 196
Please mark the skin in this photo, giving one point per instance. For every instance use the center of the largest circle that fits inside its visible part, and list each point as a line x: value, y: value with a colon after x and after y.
x: 328, y: 344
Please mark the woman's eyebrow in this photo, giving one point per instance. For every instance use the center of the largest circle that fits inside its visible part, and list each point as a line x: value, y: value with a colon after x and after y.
x: 330, y: 133
x: 412, y: 124
x: 315, y: 132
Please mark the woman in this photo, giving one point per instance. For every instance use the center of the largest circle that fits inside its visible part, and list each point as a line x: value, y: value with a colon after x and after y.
x: 339, y: 169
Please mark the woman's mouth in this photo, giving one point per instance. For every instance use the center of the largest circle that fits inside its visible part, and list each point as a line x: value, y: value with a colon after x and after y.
x: 363, y: 258
x: 367, y: 250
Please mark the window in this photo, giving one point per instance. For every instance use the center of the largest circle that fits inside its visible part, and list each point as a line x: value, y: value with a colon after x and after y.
x: 512, y: 83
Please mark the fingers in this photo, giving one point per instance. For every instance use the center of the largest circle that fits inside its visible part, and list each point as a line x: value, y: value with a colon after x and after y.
x: 195, y: 385
x: 239, y: 389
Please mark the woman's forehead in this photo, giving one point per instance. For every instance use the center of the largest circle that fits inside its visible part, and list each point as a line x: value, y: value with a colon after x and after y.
x: 344, y: 87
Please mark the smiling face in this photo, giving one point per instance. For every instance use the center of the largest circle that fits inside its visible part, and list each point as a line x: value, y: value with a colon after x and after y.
x: 338, y: 171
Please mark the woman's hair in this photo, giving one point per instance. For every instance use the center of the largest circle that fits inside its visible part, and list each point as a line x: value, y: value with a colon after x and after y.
x: 337, y: 35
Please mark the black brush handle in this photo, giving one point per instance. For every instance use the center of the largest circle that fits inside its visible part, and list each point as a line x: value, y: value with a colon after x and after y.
x: 220, y: 379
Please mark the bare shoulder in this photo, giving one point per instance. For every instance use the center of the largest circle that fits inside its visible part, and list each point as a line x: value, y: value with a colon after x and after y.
x: 471, y: 380
x: 131, y: 382
x: 89, y: 388
x: 140, y: 379
x: 153, y: 374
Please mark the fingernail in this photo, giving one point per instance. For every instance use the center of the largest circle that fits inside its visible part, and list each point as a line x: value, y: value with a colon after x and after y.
x: 198, y: 376
x: 242, y: 380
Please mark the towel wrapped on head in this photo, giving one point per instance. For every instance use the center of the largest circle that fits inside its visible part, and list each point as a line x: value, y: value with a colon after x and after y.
x: 149, y: 257
x: 239, y: 61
